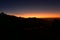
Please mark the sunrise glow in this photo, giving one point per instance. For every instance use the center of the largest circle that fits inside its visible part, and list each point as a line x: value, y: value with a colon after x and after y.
x: 38, y: 15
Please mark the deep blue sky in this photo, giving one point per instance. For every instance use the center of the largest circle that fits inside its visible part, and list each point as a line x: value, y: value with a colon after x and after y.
x: 18, y: 6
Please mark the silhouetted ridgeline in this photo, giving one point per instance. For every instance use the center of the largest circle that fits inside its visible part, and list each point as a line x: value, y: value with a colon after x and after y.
x: 31, y: 26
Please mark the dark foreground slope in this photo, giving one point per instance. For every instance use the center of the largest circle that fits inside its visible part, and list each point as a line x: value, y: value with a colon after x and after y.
x: 29, y: 28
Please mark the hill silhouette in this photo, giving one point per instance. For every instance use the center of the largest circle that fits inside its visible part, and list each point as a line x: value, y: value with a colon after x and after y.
x: 30, y: 27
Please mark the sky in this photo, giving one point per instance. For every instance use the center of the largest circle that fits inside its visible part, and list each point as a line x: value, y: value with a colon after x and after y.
x: 31, y: 8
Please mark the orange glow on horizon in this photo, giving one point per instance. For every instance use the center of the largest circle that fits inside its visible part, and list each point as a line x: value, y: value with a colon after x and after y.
x: 38, y: 15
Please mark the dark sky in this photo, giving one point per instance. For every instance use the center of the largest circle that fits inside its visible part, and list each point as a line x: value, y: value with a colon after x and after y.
x: 27, y: 6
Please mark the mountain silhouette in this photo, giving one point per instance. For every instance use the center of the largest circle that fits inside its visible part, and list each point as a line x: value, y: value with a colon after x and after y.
x: 29, y: 26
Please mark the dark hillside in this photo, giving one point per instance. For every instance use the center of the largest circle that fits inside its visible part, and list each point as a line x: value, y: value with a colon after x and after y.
x: 29, y: 27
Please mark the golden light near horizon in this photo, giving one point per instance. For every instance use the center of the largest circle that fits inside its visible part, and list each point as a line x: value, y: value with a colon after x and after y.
x: 38, y: 15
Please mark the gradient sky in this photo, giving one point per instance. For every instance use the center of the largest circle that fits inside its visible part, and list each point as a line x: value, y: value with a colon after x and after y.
x: 31, y: 8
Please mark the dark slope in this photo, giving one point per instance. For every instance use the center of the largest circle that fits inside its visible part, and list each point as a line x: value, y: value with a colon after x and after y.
x: 28, y: 27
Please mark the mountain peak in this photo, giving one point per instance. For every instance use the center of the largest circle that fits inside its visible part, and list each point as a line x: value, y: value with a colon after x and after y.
x: 2, y: 13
